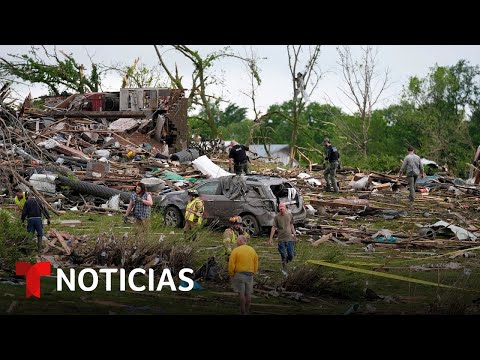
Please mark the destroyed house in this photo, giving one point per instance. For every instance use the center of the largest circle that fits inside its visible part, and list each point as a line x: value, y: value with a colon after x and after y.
x: 166, y: 108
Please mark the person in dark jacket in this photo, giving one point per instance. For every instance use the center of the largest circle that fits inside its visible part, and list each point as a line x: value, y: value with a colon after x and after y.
x: 33, y: 210
x: 238, y: 157
x: 332, y: 157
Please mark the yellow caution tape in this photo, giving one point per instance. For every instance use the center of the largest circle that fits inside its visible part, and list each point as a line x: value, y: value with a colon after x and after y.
x: 385, y: 275
x: 360, y: 263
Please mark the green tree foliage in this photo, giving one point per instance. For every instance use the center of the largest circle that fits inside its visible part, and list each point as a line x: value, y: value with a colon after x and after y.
x: 314, y: 123
x: 474, y: 127
x: 232, y: 114
x: 443, y: 101
x: 15, y: 242
x: 138, y: 75
x: 231, y: 123
x: 56, y: 71
x: 238, y: 131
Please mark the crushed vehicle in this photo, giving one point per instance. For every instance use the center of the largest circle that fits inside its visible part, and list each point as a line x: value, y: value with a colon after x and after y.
x: 254, y: 197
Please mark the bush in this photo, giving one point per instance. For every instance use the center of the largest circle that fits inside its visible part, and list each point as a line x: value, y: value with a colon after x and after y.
x: 15, y: 242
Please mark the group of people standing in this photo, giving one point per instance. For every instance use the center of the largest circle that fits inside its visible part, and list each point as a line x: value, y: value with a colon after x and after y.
x: 243, y: 259
x: 411, y: 166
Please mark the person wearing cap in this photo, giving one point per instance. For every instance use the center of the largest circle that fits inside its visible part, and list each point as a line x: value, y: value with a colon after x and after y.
x: 332, y: 156
x: 238, y: 157
x: 193, y: 214
x: 231, y: 234
x: 242, y: 265
x: 413, y: 167
x: 283, y: 222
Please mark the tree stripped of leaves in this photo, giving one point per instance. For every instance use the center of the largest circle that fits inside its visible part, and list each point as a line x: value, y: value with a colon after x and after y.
x: 300, y: 79
x: 287, y: 118
x: 56, y: 70
x: 363, y: 87
x: 201, y: 78
x: 254, y: 82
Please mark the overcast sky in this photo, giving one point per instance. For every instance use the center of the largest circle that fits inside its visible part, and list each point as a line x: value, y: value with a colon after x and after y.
x: 402, y: 61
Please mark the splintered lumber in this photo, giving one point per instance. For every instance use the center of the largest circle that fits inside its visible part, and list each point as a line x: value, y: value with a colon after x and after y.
x: 323, y: 239
x: 442, y: 243
x: 62, y: 241
x: 388, y: 178
x: 352, y: 204
x: 383, y: 187
x: 52, y: 244
x: 342, y: 230
x: 69, y: 151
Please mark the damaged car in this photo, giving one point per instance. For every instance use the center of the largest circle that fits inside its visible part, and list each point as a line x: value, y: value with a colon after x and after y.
x: 254, y: 197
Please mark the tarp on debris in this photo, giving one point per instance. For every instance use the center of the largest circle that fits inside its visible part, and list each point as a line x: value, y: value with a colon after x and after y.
x: 459, y: 232
x: 426, y: 162
x: 233, y: 186
x: 207, y: 167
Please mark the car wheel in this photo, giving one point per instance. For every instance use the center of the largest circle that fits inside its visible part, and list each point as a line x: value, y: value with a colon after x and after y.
x: 173, y: 217
x: 251, y: 225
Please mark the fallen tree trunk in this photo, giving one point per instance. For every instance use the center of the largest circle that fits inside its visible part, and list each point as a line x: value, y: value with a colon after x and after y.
x: 101, y: 191
x: 85, y: 187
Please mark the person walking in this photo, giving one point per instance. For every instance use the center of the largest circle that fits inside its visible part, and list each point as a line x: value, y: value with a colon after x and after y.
x: 193, y: 215
x: 242, y: 265
x: 141, y: 205
x: 283, y: 222
x: 238, y: 157
x: 413, y: 167
x: 332, y: 156
x: 33, y: 210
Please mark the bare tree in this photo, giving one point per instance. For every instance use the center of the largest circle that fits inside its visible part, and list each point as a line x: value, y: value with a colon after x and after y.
x: 363, y: 87
x: 251, y: 63
x: 310, y: 75
x: 201, y: 79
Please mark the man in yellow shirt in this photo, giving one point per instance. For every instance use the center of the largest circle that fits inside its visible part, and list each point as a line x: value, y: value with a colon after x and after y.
x: 243, y: 263
x: 193, y: 214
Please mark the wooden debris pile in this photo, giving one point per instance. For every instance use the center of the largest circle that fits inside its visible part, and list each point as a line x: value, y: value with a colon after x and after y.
x: 115, y: 251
